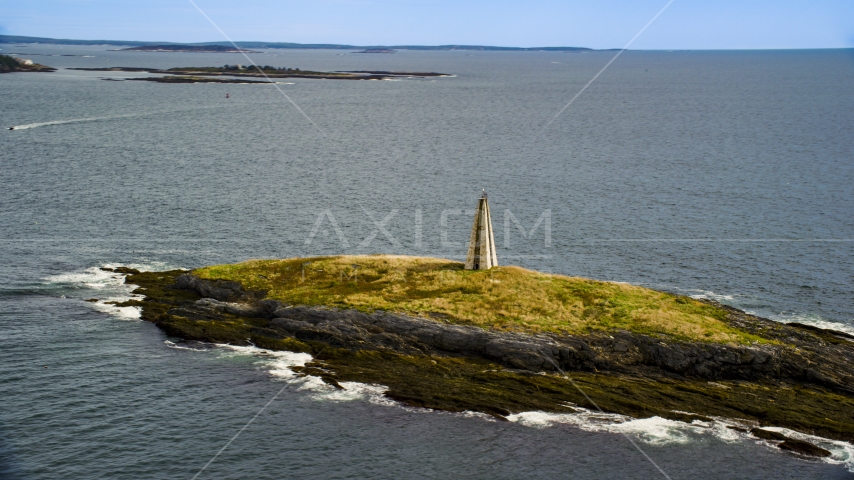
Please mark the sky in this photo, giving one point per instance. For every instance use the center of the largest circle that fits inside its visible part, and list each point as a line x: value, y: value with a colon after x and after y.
x: 685, y: 24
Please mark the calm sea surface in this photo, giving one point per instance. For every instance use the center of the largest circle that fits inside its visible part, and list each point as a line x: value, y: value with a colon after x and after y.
x: 726, y: 175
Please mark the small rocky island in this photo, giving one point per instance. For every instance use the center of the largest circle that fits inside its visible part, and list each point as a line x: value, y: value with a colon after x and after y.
x: 508, y: 340
x: 12, y: 64
x: 241, y: 74
x: 377, y: 50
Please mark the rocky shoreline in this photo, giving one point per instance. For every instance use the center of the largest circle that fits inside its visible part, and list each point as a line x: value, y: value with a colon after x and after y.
x: 10, y: 64
x: 800, y: 379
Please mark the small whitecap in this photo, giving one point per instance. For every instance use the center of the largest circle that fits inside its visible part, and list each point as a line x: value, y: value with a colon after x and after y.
x: 278, y: 363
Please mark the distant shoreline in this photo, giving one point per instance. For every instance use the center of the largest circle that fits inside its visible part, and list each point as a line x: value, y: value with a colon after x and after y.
x: 191, y: 47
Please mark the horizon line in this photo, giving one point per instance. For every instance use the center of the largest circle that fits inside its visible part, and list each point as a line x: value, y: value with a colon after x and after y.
x: 8, y: 39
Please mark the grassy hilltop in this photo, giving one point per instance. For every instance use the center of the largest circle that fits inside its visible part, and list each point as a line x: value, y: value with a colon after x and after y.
x: 503, y: 298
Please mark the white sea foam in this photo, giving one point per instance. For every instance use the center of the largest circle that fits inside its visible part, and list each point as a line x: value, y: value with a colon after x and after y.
x: 178, y: 346
x: 712, y: 296
x: 653, y: 430
x: 351, y: 391
x: 104, y: 285
x: 278, y: 363
x: 128, y: 313
x: 661, y: 431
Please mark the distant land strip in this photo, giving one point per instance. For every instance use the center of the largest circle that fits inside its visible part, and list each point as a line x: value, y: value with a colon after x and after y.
x: 16, y: 39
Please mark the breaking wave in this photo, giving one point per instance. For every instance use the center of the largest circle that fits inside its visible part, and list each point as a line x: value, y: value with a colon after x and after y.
x: 101, y: 288
x: 653, y: 430
x: 279, y: 365
x: 661, y: 431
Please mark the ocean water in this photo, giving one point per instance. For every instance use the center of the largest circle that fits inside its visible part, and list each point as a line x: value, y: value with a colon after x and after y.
x: 725, y: 175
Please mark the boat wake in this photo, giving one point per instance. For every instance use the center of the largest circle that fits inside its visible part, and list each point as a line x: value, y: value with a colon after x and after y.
x: 109, y: 117
x: 62, y: 122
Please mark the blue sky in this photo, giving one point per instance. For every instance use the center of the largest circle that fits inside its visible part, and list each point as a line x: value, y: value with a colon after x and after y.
x: 686, y: 24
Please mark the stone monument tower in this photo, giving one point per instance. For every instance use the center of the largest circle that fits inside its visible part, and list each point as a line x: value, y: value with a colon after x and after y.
x: 481, y: 254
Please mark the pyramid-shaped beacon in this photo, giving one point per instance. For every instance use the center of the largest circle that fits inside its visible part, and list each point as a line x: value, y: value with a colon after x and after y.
x: 481, y: 254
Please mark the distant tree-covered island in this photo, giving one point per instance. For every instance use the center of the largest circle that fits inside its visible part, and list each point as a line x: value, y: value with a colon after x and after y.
x: 188, y: 48
x: 11, y: 64
x: 235, y: 74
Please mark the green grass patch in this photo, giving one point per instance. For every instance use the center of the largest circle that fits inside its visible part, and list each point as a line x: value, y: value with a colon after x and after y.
x: 503, y: 298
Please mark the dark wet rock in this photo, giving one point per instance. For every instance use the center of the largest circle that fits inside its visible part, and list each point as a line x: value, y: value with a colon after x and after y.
x: 767, y: 434
x: 622, y: 351
x: 331, y: 381
x: 222, y: 290
x: 269, y: 306
x: 126, y: 270
x: 291, y: 325
x: 239, y: 309
x: 804, y: 448
x: 790, y: 444
x: 383, y: 330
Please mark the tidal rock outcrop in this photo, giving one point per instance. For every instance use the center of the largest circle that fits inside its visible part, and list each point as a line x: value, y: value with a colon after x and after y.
x: 796, y: 354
